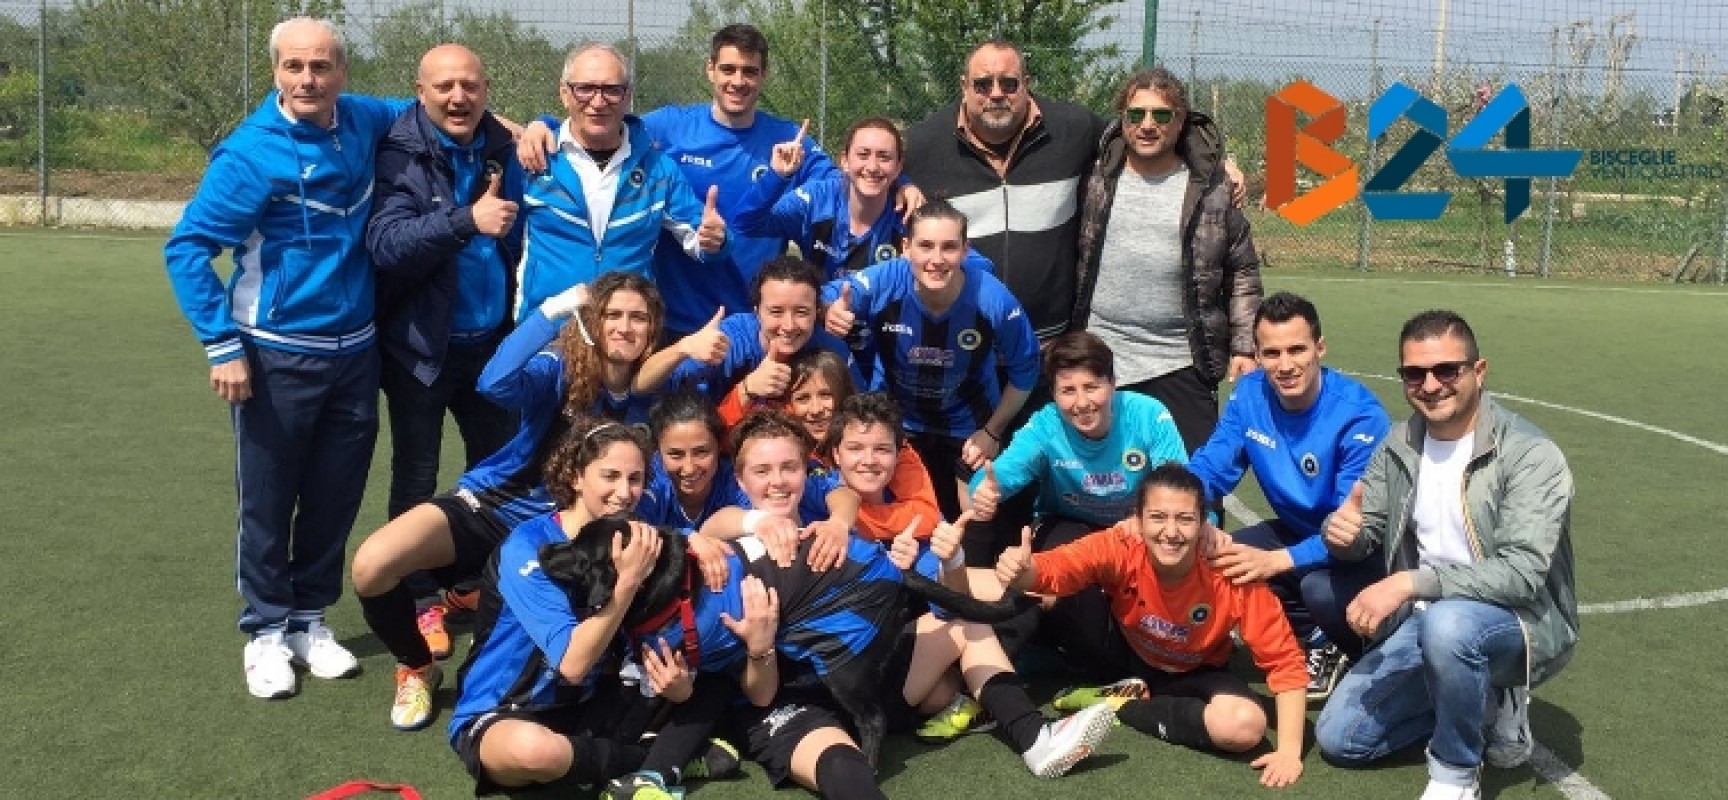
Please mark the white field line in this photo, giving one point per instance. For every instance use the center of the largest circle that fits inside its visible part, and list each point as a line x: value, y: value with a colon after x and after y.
x: 1715, y: 447
x: 1530, y: 285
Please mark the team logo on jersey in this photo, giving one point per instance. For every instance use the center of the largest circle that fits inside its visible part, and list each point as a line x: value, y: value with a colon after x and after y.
x: 757, y: 173
x: 306, y: 174
x: 1199, y: 614
x: 1134, y: 459
x: 637, y: 178
x: 1310, y: 465
x: 528, y: 568
x: 883, y: 253
x: 970, y: 338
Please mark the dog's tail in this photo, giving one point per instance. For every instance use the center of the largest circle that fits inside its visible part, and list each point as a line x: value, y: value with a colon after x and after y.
x: 965, y: 606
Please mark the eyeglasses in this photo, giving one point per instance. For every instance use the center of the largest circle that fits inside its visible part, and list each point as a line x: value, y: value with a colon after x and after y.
x: 1446, y: 372
x: 610, y: 92
x: 1008, y: 83
x: 1135, y: 116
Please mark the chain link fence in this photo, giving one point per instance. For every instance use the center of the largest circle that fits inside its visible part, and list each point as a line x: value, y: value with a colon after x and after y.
x: 108, y: 107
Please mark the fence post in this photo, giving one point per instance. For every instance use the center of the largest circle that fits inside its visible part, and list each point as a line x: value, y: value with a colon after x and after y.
x: 1553, y: 143
x: 1363, y: 237
x: 42, y: 111
x: 822, y: 86
x: 1722, y: 242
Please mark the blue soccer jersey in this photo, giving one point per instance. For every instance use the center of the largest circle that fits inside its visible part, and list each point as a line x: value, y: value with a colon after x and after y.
x: 1091, y: 480
x: 516, y: 652
x: 659, y: 504
x: 711, y: 154
x: 941, y: 369
x: 1305, y: 462
x: 817, y: 217
x: 525, y: 377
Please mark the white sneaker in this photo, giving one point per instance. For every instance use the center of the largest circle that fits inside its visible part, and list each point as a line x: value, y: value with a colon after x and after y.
x: 316, y: 649
x: 1509, y: 739
x: 269, y: 673
x: 1446, y: 791
x: 1063, y: 743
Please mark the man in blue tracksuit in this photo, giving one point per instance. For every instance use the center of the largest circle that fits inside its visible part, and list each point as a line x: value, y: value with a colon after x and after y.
x: 1308, y: 432
x: 445, y: 241
x: 726, y: 145
x: 290, y: 340
x: 608, y: 195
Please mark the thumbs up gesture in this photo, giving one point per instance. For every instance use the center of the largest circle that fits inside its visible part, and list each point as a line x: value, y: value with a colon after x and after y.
x: 493, y: 215
x: 987, y: 496
x: 838, y: 320
x: 904, y: 552
x: 771, y: 378
x: 1344, y: 525
x: 711, y: 236
x: 1015, y: 563
x: 708, y: 345
x: 945, y: 540
x: 788, y: 156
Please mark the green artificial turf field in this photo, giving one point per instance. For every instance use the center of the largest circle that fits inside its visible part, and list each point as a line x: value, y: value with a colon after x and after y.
x: 120, y: 665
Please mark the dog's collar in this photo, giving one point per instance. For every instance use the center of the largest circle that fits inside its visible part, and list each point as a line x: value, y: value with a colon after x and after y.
x: 687, y: 614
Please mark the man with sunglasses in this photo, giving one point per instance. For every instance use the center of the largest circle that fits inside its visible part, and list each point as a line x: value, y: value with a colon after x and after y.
x: 608, y: 194
x: 1307, y: 432
x: 1469, y: 507
x: 1168, y: 275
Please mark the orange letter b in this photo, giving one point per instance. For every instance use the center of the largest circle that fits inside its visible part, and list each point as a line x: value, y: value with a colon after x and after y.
x: 1287, y: 146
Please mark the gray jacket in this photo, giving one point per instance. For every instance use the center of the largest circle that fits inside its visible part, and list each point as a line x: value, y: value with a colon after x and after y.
x: 1518, y: 510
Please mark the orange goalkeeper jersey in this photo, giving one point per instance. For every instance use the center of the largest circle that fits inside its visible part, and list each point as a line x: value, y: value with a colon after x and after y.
x: 1182, y: 627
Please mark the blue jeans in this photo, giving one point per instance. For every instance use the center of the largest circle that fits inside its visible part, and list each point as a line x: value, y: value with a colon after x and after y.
x: 303, y: 446
x: 1432, y: 679
x: 1317, y: 596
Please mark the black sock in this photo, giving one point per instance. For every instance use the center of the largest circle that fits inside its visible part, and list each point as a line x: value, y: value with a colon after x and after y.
x: 685, y: 735
x: 1177, y: 720
x: 391, y: 618
x: 1018, y: 721
x: 595, y: 761
x: 843, y: 774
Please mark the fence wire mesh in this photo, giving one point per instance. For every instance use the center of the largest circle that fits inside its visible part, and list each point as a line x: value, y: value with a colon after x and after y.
x: 108, y: 107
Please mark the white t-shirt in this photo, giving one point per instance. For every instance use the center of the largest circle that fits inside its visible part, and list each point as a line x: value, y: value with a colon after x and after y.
x: 1439, y: 511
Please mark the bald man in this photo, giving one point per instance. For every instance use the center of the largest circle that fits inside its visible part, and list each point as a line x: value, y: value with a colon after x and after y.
x: 290, y: 340
x: 444, y: 240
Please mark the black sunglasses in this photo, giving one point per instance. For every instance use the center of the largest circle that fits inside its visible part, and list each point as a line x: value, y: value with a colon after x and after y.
x: 1009, y: 84
x: 1446, y: 372
x: 1135, y: 116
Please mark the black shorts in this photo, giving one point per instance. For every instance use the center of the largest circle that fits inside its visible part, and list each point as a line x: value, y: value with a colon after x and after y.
x: 613, y: 711
x: 772, y: 734
x: 476, y: 530
x: 1203, y: 683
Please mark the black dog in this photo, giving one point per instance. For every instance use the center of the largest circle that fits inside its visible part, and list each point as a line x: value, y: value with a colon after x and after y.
x: 845, y: 622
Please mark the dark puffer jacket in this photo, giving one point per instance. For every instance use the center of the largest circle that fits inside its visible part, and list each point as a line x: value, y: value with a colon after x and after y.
x: 1223, y: 291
